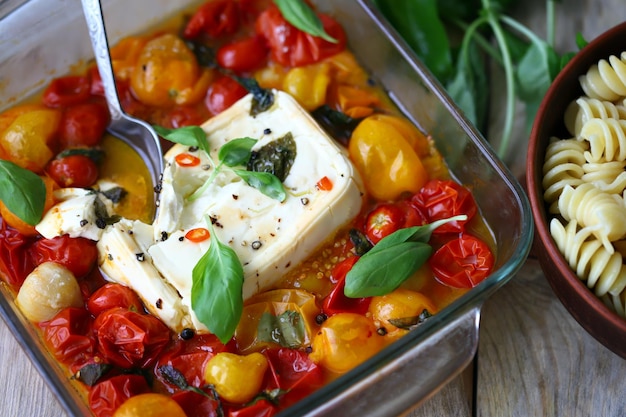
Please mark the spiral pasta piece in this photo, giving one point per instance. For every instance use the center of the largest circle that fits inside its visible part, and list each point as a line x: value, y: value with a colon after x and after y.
x: 607, y: 139
x: 588, y: 257
x: 609, y: 177
x: 585, y: 108
x: 562, y: 166
x: 606, y: 80
x: 603, y: 213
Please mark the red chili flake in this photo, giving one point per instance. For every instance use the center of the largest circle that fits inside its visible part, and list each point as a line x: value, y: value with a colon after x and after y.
x: 187, y: 160
x: 198, y: 235
x: 324, y: 184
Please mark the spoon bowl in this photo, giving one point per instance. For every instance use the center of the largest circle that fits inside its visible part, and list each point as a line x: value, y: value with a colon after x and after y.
x: 138, y: 134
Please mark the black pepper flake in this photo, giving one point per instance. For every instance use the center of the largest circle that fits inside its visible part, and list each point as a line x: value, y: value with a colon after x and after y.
x: 304, y: 201
x: 193, y: 149
x: 130, y: 232
x: 109, y: 257
x: 308, y: 350
x: 206, y: 167
x: 164, y: 236
x: 140, y: 256
x: 159, y: 304
x: 83, y: 223
x: 187, y: 333
x: 235, y: 197
x: 256, y: 244
x: 381, y: 331
x: 267, y: 131
x: 101, y: 223
x: 181, y: 238
x: 321, y: 318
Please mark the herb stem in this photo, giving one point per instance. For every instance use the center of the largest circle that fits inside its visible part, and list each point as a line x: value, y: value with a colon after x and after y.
x: 196, y: 194
x: 507, y: 130
x: 481, y: 40
x: 550, y: 29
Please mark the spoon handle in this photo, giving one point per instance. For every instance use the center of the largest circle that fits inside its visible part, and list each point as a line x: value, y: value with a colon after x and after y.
x: 97, y: 31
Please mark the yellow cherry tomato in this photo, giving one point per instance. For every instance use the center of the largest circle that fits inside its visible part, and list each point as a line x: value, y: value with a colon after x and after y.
x: 399, y: 304
x: 124, y: 55
x: 308, y: 84
x: 236, y: 378
x: 26, y: 141
x: 165, y: 72
x: 385, y: 159
x: 344, y: 341
x: 150, y: 405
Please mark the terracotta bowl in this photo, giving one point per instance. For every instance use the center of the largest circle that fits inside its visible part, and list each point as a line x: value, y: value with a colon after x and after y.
x: 592, y: 314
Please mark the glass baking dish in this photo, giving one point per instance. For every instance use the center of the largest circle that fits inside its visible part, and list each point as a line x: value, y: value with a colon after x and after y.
x: 43, y: 39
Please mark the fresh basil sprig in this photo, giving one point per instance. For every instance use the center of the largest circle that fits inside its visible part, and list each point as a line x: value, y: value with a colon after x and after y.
x: 300, y: 15
x: 234, y: 153
x: 22, y: 192
x: 392, y: 260
x: 216, y: 292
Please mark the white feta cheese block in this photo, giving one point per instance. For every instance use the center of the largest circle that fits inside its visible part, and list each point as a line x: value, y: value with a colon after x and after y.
x: 74, y: 214
x: 124, y: 258
x: 268, y: 236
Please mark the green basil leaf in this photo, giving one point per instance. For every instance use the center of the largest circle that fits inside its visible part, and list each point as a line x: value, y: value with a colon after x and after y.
x: 22, y: 192
x: 414, y: 234
x: 380, y: 272
x: 265, y: 182
x: 536, y: 70
x: 300, y: 15
x: 95, y: 154
x: 216, y: 292
x: 276, y: 157
x: 237, y: 151
x: 186, y: 135
x: 286, y: 329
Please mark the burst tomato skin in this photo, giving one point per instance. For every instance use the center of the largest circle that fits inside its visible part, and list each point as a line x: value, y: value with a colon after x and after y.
x: 79, y: 255
x: 108, y: 395
x: 383, y: 220
x: 128, y: 339
x: 73, y: 171
x: 336, y: 301
x: 67, y: 91
x: 213, y: 19
x: 463, y: 262
x: 112, y: 295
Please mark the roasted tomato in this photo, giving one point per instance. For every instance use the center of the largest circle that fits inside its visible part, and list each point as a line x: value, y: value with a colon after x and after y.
x: 223, y: 93
x: 83, y: 125
x: 78, y: 254
x: 73, y: 171
x: 243, y: 55
x: 463, y: 262
x: 214, y: 19
x: 68, y: 335
x: 292, y: 47
x: 67, y: 91
x: 336, y: 301
x: 108, y: 395
x: 113, y: 295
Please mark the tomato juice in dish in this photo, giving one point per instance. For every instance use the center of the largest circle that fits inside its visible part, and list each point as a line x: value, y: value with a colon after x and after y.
x: 342, y: 303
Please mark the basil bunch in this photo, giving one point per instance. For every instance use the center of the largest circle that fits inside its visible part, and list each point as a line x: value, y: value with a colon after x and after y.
x: 529, y: 62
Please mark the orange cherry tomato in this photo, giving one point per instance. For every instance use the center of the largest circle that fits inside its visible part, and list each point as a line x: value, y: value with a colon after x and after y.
x: 19, y: 224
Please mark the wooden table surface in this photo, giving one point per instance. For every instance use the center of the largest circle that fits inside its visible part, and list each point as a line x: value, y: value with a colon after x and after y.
x: 533, y: 358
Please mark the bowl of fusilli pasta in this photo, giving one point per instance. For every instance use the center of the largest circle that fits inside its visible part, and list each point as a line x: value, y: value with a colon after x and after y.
x: 576, y: 181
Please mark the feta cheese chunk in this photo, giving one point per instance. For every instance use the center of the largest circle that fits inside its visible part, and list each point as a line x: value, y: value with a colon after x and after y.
x: 269, y: 237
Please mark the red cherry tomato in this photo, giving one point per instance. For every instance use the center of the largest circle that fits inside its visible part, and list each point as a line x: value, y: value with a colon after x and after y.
x: 15, y: 265
x: 113, y: 295
x: 292, y: 47
x: 67, y: 335
x: 442, y: 199
x: 83, y: 125
x: 243, y: 55
x: 73, y: 171
x: 67, y: 91
x: 336, y: 301
x: 181, y: 116
x: 214, y: 18
x: 383, y: 220
x: 107, y: 396
x: 293, y: 371
x: 223, y: 93
x: 190, y: 357
x: 129, y: 339
x: 463, y: 262
x: 78, y: 254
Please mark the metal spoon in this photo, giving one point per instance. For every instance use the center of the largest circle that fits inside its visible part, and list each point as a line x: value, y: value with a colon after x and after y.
x: 137, y: 133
